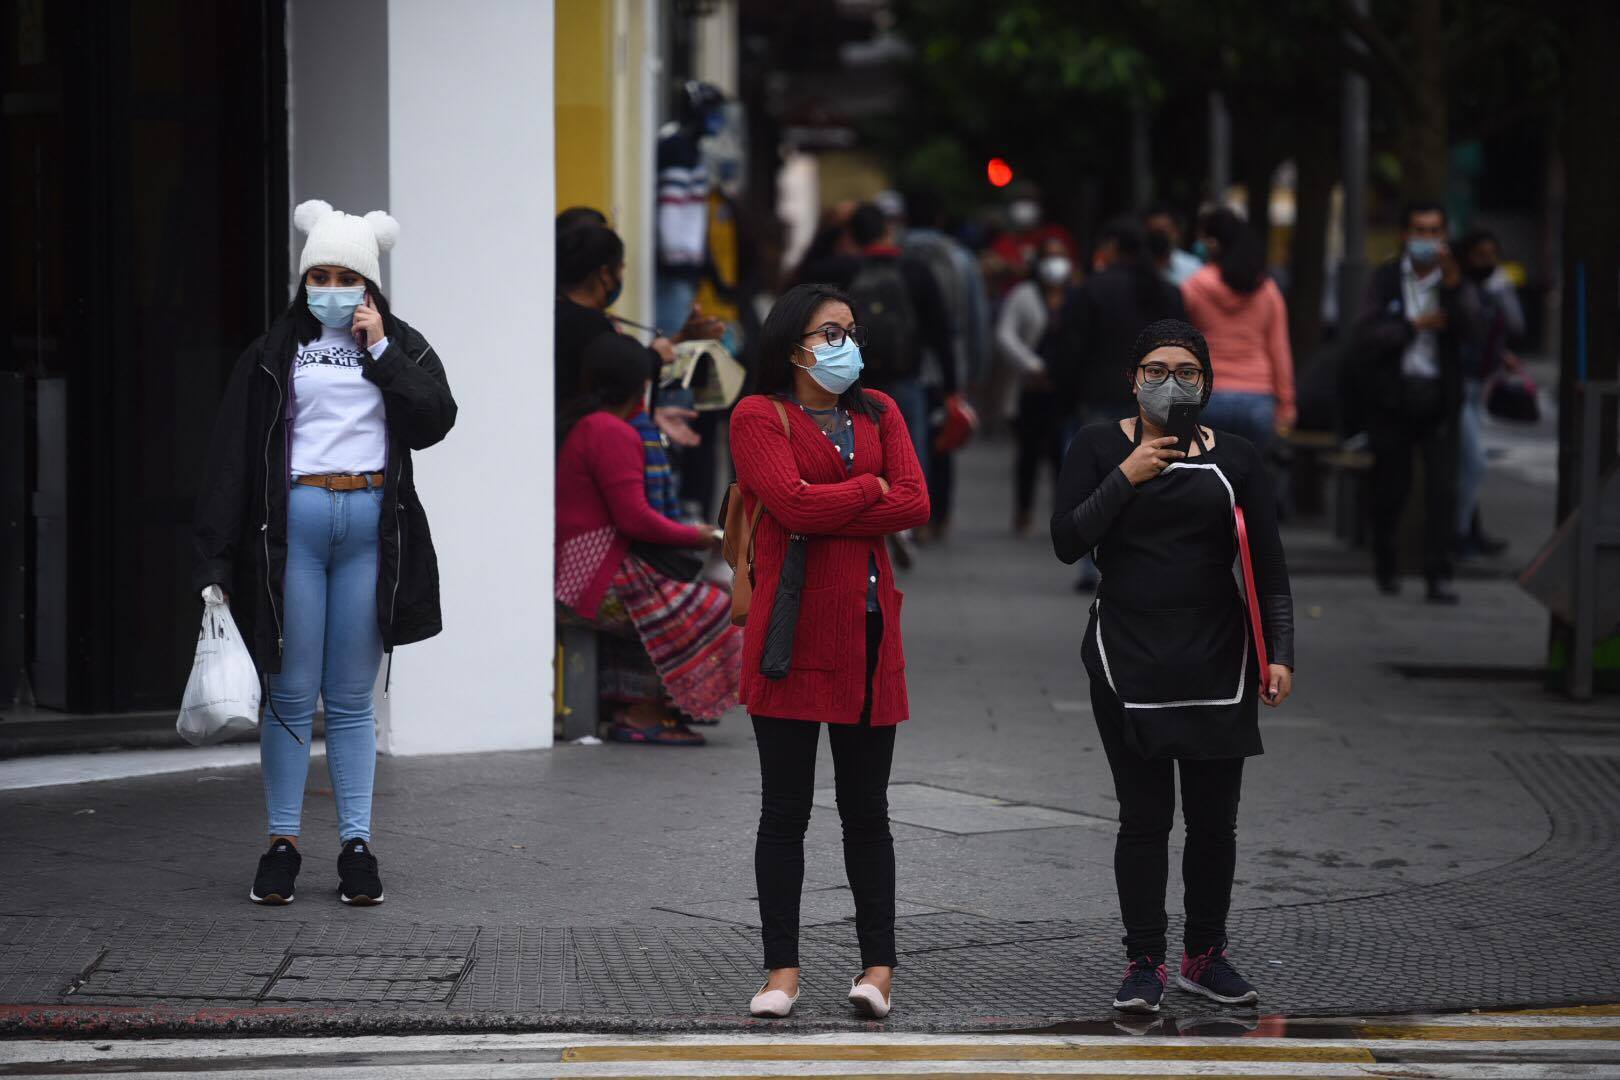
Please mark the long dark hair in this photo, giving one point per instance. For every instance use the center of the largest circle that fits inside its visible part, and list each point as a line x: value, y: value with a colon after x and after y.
x: 1242, y: 260
x: 616, y: 368
x: 784, y: 332
x: 308, y: 327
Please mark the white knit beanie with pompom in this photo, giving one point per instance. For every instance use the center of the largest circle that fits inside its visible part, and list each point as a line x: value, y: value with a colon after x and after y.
x: 339, y: 239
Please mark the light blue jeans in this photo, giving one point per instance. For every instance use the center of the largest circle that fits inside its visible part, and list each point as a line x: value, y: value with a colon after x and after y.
x: 912, y: 397
x: 1470, y: 453
x: 1252, y: 416
x: 672, y: 302
x: 332, y: 648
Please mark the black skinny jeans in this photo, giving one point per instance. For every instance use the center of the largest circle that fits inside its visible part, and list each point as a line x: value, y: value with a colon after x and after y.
x: 862, y: 755
x: 1146, y: 788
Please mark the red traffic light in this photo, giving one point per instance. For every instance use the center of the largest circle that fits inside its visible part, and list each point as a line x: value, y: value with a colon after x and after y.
x: 999, y: 172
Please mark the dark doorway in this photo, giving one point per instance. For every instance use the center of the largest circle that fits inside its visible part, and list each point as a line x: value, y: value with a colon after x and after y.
x: 145, y: 191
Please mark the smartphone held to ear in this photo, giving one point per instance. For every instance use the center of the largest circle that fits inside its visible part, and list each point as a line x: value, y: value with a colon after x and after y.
x: 1183, y: 423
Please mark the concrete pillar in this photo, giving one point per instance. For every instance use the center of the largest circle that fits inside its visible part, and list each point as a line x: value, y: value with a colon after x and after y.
x: 471, y: 179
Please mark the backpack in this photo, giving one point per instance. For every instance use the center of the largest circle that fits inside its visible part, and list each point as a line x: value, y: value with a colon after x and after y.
x: 883, y: 301
x: 737, y: 546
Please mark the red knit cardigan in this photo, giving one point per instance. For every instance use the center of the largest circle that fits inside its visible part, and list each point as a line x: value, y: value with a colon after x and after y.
x: 846, y: 514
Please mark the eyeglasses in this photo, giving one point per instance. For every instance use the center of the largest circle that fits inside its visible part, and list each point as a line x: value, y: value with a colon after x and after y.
x: 835, y: 335
x: 1155, y: 374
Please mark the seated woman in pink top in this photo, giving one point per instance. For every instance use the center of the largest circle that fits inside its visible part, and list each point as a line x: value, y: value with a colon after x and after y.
x: 1245, y: 320
x: 675, y: 656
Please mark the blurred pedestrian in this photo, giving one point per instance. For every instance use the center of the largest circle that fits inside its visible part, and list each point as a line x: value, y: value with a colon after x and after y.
x: 1098, y: 329
x: 683, y: 201
x: 1417, y: 317
x: 590, y: 278
x: 967, y: 309
x: 1175, y: 677
x: 1025, y: 333
x: 1501, y: 320
x: 1163, y: 227
x: 910, y: 332
x: 310, y: 523
x: 676, y: 656
x: 1242, y: 315
x: 833, y: 466
x: 1028, y: 228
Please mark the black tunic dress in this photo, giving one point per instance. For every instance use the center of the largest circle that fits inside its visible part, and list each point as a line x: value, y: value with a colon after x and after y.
x: 1168, y: 645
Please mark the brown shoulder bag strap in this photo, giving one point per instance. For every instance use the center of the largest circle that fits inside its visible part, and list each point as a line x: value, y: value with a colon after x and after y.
x: 759, y: 507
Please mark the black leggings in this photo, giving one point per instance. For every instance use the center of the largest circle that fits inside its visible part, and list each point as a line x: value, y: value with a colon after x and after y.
x: 1040, y: 440
x: 862, y: 755
x: 1146, y: 788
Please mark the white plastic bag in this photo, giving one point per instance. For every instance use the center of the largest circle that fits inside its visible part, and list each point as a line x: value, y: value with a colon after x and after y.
x: 222, y: 695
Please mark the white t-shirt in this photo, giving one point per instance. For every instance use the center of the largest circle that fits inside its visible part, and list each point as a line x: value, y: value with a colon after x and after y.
x: 339, y: 424
x: 1421, y: 360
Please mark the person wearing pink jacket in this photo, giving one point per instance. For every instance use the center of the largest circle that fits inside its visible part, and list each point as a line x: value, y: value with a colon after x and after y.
x: 1243, y: 316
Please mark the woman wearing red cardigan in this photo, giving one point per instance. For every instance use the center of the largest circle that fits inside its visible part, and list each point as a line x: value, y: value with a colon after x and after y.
x: 835, y: 470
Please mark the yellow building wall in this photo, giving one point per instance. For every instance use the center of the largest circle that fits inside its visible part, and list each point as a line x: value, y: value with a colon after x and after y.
x: 584, y: 104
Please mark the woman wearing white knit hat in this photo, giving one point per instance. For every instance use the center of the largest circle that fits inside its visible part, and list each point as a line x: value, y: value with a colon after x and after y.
x: 310, y: 523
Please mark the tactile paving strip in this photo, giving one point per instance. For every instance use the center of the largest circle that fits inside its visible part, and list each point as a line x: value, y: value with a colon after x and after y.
x: 1542, y: 930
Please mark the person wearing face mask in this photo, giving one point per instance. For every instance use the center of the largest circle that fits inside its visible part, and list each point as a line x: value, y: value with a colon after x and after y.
x: 1418, y: 317
x: 1017, y: 248
x: 309, y: 521
x: 1176, y: 678
x: 590, y: 279
x: 1025, y: 336
x: 670, y: 653
x: 827, y: 464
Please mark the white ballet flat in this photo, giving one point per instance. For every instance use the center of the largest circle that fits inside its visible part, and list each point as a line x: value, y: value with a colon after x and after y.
x: 867, y: 998
x: 772, y: 1003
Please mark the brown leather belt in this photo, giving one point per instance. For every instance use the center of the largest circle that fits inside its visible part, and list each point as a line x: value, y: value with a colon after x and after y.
x: 342, y: 481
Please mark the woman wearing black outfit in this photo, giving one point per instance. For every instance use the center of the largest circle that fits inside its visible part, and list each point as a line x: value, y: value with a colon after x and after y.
x: 1174, y: 675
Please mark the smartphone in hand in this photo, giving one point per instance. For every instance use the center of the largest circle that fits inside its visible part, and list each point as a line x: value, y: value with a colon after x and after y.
x: 1183, y: 424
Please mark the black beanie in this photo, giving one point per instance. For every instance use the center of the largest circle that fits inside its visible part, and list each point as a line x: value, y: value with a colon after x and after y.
x: 1181, y: 335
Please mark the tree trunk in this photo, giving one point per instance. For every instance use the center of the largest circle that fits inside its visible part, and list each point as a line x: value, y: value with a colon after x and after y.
x: 1425, y: 145
x: 1317, y: 168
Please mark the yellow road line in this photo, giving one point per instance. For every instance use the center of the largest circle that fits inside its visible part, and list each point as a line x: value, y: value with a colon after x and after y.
x: 1573, y: 1010
x: 1482, y: 1032
x: 1167, y: 1051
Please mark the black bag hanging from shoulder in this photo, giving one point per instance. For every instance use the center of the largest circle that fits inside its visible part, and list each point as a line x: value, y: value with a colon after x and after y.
x: 777, y: 657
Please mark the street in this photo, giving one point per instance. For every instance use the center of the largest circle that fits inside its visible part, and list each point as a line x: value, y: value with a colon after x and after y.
x: 1421, y: 807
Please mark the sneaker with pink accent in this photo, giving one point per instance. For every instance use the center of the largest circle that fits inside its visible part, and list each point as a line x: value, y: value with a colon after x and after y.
x: 1211, y: 974
x: 1143, y: 987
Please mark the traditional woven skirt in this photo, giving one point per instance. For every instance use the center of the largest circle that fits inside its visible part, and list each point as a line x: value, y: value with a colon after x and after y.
x: 686, y: 630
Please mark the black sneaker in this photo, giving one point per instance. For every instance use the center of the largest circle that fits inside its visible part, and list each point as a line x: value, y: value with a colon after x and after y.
x: 1211, y: 974
x: 1441, y: 592
x: 1143, y: 987
x: 358, y: 883
x: 278, y: 869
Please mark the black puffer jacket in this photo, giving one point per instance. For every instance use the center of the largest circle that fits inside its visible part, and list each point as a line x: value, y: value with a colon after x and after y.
x: 240, y: 534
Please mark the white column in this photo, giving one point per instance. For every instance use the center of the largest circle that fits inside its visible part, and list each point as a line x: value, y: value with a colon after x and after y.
x: 470, y: 138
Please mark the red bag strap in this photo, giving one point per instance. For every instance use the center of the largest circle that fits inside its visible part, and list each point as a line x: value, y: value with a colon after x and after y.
x: 1256, y: 626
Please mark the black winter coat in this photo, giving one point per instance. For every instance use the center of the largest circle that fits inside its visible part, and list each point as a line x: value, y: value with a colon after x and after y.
x: 1383, y: 331
x: 1097, y: 330
x: 240, y: 532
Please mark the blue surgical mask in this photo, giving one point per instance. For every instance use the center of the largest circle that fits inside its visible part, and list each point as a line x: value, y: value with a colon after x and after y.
x: 335, y: 307
x: 837, y: 366
x: 1201, y: 250
x: 1422, y: 249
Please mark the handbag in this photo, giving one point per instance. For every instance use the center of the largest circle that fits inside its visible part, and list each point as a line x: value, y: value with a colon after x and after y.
x: 679, y: 564
x: 737, y: 542
x: 1512, y: 396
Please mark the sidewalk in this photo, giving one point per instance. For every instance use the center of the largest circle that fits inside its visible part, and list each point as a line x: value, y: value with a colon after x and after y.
x: 1410, y: 842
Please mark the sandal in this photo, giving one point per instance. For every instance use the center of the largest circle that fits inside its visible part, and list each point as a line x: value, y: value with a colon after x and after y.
x: 662, y: 735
